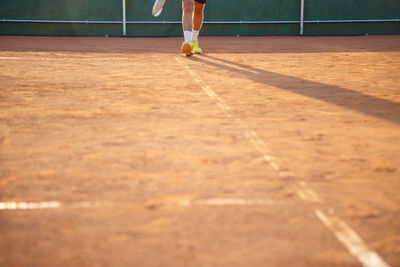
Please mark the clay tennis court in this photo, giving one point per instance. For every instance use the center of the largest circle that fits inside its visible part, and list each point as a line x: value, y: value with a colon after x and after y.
x: 263, y: 151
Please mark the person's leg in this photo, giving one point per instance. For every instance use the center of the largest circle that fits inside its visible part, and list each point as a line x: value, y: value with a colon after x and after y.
x: 187, y: 25
x: 198, y: 17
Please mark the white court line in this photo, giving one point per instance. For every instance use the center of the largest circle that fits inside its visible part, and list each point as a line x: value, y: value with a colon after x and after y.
x: 67, y: 58
x: 30, y: 205
x: 260, y: 145
x: 307, y: 194
x: 347, y: 236
x: 351, y: 240
x: 94, y: 204
x: 58, y: 52
x: 50, y: 205
x: 232, y: 202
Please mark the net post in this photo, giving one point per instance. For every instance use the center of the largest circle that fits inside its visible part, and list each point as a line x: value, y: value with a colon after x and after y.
x: 124, y: 17
x: 302, y: 17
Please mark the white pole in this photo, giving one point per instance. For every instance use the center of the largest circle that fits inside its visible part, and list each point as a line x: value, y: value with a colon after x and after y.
x: 302, y: 18
x: 124, y: 17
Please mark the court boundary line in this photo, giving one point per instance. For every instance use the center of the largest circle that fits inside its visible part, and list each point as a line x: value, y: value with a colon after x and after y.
x: 338, y: 227
x: 68, y: 52
x: 51, y: 205
x: 15, y: 205
x: 67, y: 58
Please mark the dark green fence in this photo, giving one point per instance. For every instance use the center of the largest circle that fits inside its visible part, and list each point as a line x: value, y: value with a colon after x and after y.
x: 222, y: 17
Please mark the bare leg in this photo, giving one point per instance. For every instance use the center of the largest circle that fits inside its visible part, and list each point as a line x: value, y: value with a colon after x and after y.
x: 187, y: 24
x: 187, y: 14
x: 198, y: 16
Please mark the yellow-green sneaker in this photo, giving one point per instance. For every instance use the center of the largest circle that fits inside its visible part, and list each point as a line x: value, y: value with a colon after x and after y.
x: 196, y: 48
x: 187, y: 49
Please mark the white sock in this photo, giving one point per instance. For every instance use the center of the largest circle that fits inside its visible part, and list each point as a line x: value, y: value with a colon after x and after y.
x: 188, y: 36
x: 195, y: 35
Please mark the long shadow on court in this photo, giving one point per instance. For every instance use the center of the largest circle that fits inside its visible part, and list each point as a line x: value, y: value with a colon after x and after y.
x: 347, y: 98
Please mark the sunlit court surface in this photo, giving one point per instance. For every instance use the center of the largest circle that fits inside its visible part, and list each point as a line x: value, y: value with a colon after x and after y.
x: 263, y: 151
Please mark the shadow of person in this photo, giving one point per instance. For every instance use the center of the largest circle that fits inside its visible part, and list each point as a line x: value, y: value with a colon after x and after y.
x: 343, y: 97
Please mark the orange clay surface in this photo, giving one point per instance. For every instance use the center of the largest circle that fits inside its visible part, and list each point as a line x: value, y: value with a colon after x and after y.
x: 220, y: 159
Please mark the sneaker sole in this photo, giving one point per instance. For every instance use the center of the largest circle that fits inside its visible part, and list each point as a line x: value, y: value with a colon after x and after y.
x: 187, y: 50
